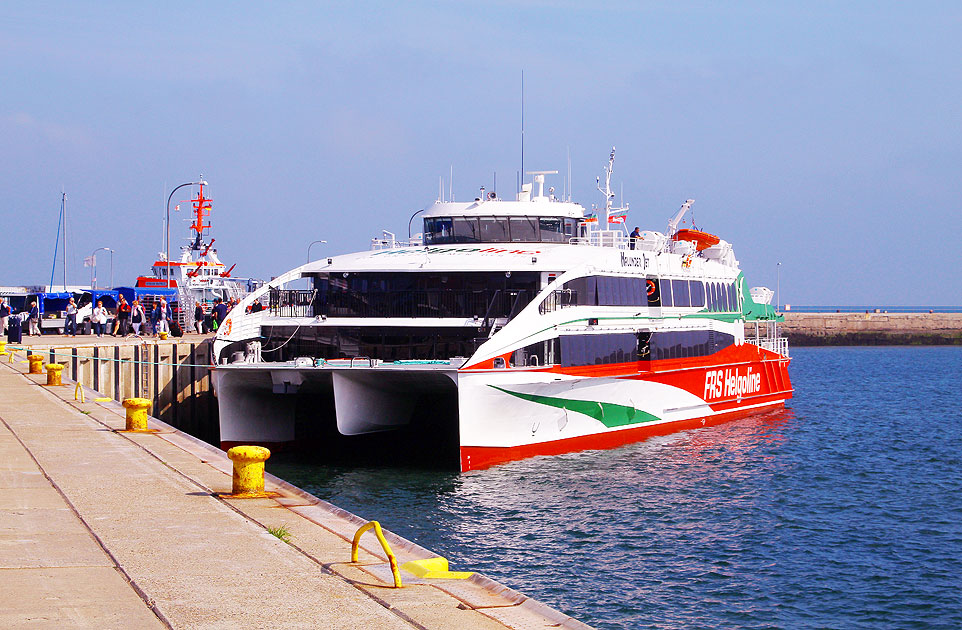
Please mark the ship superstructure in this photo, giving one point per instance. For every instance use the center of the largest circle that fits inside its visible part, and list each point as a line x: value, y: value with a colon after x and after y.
x: 198, y: 275
x: 513, y: 327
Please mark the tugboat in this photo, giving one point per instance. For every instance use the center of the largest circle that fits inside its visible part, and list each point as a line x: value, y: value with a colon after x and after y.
x: 199, y: 276
x: 512, y: 328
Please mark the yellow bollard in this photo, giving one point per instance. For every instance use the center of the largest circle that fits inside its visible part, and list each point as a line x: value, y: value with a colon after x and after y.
x: 248, y: 480
x: 3, y: 347
x: 136, y: 413
x: 53, y: 374
x: 162, y: 335
x: 36, y: 363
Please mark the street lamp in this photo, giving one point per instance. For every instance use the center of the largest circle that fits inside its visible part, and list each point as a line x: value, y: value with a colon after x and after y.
x: 778, y: 298
x: 309, y: 249
x: 167, y: 223
x: 93, y: 271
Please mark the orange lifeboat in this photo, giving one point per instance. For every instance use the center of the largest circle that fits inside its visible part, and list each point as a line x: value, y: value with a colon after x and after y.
x: 702, y: 240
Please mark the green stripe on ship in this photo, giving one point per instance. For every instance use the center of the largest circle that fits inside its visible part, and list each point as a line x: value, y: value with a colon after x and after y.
x: 609, y: 414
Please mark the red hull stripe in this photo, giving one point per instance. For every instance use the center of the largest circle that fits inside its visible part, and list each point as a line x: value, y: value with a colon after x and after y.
x: 480, y: 457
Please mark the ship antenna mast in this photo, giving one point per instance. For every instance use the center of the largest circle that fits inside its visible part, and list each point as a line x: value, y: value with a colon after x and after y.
x: 201, y: 209
x: 607, y: 189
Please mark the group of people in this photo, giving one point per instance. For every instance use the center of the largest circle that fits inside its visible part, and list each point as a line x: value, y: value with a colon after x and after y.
x: 130, y: 317
x: 218, y: 313
x: 32, y: 317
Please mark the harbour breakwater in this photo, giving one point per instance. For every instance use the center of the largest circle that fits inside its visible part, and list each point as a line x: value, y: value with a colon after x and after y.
x: 872, y: 329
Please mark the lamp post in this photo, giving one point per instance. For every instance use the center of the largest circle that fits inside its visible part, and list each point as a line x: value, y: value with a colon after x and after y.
x: 167, y: 223
x: 309, y: 249
x: 111, y: 267
x: 778, y: 295
x: 93, y: 271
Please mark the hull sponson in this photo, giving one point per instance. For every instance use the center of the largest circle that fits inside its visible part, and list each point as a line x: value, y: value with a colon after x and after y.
x: 480, y: 457
x: 513, y: 414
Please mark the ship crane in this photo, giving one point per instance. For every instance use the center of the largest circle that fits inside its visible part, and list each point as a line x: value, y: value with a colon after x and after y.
x: 673, y: 224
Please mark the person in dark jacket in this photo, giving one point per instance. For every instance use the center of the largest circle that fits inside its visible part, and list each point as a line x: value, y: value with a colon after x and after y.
x: 123, y: 318
x: 34, y: 319
x: 220, y: 312
x: 199, y: 318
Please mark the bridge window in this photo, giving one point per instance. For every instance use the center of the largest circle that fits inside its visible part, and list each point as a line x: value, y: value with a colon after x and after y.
x: 524, y: 229
x: 552, y: 230
x: 466, y: 230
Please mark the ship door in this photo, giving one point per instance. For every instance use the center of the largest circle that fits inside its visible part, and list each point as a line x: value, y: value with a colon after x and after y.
x: 653, y: 290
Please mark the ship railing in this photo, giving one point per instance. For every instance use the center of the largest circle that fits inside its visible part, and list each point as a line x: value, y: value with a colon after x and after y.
x: 779, y: 345
x: 387, y: 240
x: 291, y: 302
x: 602, y: 238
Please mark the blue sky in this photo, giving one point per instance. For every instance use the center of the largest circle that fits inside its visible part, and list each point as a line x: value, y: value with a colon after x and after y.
x: 823, y: 135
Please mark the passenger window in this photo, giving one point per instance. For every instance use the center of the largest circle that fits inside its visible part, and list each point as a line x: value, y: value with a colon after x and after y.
x: 679, y: 292
x: 697, y: 293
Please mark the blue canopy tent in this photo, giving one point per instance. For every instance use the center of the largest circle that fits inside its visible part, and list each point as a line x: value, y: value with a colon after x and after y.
x: 53, y: 302
x: 108, y: 296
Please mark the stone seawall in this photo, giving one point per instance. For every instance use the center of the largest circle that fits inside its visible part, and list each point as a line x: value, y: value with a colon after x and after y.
x: 872, y: 329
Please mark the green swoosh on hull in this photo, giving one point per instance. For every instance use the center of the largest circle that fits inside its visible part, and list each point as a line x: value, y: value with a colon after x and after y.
x: 609, y: 414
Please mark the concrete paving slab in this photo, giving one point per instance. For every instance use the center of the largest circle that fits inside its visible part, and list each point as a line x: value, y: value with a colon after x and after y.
x: 67, y: 598
x: 22, y: 479
x: 38, y: 498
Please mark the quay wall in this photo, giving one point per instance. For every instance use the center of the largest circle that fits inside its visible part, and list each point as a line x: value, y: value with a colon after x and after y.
x: 872, y: 329
x: 174, y: 375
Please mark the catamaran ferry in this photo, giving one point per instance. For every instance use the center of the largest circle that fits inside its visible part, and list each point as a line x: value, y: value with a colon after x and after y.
x: 511, y: 328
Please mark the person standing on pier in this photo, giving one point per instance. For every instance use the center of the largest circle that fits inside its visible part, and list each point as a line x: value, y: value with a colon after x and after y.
x: 98, y: 317
x: 220, y: 312
x: 199, y: 318
x: 34, y: 319
x: 137, y: 316
x: 123, y: 317
x: 161, y: 317
x: 4, y: 314
x: 70, y: 327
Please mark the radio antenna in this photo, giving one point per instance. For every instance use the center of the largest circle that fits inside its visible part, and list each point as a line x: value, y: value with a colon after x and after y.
x: 522, y: 121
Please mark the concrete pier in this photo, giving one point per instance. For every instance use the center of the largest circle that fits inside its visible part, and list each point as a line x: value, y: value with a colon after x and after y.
x: 101, y: 528
x: 174, y: 374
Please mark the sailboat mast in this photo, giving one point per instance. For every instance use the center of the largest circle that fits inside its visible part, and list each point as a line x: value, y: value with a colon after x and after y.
x: 63, y: 214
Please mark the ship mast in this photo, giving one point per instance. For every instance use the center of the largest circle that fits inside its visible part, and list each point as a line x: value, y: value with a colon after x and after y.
x: 201, y: 209
x: 606, y: 191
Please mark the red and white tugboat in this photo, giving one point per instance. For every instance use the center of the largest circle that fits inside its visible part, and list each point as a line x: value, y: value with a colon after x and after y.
x: 199, y: 276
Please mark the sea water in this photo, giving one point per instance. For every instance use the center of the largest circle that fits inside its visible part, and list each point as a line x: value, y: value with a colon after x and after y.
x: 842, y: 511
